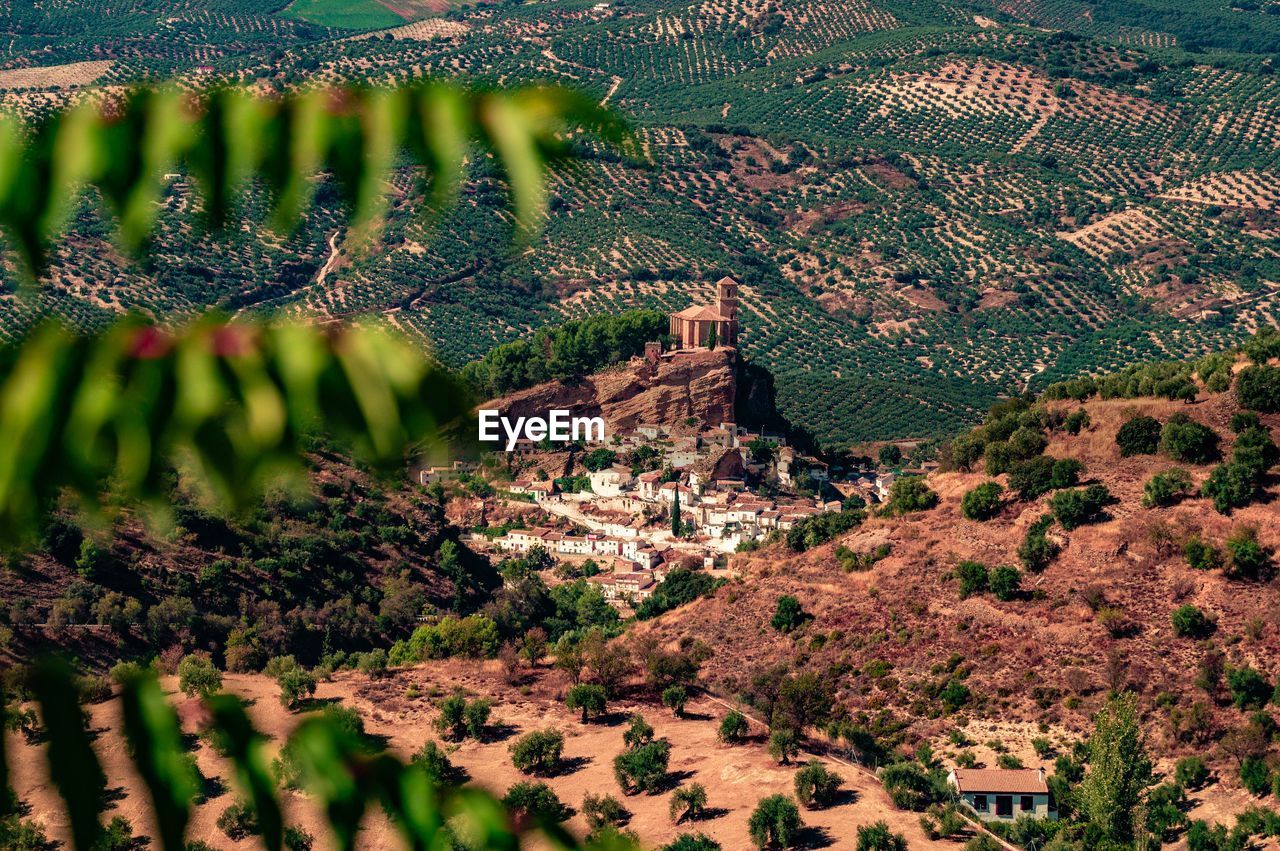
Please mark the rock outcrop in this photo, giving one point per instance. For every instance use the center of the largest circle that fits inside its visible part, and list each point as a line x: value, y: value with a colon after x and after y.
x: 701, y: 385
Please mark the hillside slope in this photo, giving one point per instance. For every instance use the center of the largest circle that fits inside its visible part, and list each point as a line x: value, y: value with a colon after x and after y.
x: 1097, y: 618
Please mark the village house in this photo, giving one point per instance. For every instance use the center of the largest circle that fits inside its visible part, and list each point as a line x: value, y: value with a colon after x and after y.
x: 683, y: 453
x: 648, y: 484
x: 611, y: 481
x: 703, y: 326
x: 653, y: 432
x: 542, y: 491
x: 1003, y: 794
x: 667, y: 493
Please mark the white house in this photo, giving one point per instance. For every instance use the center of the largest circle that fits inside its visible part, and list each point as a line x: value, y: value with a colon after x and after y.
x: 1000, y: 794
x: 611, y: 481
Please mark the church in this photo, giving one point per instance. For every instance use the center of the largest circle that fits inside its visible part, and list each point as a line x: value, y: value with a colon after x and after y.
x: 701, y: 325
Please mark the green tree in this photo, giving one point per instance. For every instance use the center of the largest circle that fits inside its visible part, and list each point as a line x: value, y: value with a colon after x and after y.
x: 1111, y: 795
x: 674, y: 698
x: 589, y: 699
x: 692, y: 842
x: 775, y: 823
x: 733, y: 727
x: 1189, y: 622
x: 788, y: 615
x: 197, y: 676
x: 784, y: 745
x: 1139, y: 435
x: 877, y: 837
x: 973, y: 578
x: 538, y: 752
x: 296, y: 685
x: 643, y: 768
x: 816, y: 785
x: 1184, y: 439
x: 983, y: 502
x: 677, y: 528
x: 890, y: 455
x: 535, y: 801
x: 688, y: 803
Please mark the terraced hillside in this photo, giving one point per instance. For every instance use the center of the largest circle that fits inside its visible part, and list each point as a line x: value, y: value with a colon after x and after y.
x: 929, y: 204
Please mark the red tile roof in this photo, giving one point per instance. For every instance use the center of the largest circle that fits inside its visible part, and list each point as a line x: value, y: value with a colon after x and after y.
x: 1019, y: 781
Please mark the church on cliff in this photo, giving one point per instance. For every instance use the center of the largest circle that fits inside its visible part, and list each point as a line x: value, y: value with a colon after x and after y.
x: 704, y: 326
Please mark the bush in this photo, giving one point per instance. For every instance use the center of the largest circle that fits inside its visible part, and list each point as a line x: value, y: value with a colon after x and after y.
x: 816, y: 785
x: 238, y: 821
x: 733, y: 727
x: 1190, y: 622
x: 674, y: 698
x: 296, y: 684
x: 1201, y: 555
x: 1255, y: 776
x: 639, y: 732
x: 535, y: 801
x: 908, y: 786
x: 1140, y: 435
x: 1036, y: 552
x: 1076, y: 421
x: 789, y: 614
x: 688, y: 802
x: 1184, y: 439
x: 878, y: 837
x: 910, y: 494
x: 972, y: 576
x: 1074, y: 508
x: 775, y: 823
x: 983, y: 502
x: 692, y: 842
x: 1230, y: 486
x: 1006, y: 582
x: 1258, y: 388
x: 197, y: 676
x: 1037, y: 476
x: 784, y: 745
x: 643, y: 768
x: 435, y: 763
x: 1166, y: 488
x: 297, y: 839
x: 1246, y: 556
x: 591, y: 700
x: 1249, y: 688
x: 538, y: 752
x: 1190, y: 772
x: 604, y: 810
x: 474, y: 636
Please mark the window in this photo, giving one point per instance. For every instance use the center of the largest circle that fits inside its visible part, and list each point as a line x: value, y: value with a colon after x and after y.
x: 980, y: 803
x: 1004, y: 805
x: 1028, y: 803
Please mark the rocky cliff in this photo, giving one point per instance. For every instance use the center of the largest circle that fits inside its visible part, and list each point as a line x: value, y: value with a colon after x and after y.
x: 701, y: 385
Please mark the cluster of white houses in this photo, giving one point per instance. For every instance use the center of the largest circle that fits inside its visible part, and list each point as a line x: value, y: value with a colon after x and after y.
x: 631, y: 568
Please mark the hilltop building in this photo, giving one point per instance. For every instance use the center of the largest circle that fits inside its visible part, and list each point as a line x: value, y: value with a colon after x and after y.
x: 694, y: 327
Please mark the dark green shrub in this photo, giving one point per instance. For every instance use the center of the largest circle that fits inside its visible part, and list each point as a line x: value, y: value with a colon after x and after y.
x: 1249, y: 688
x: 1245, y: 555
x: 972, y: 576
x: 733, y: 727
x: 1166, y: 488
x: 1184, y: 439
x: 877, y: 837
x: 1190, y: 622
x: 1074, y: 508
x: 816, y: 785
x: 788, y: 615
x: 1006, y: 582
x: 983, y: 502
x: 1140, y: 435
x: 1190, y: 772
x: 775, y: 823
x: 535, y: 801
x: 1255, y: 776
x: 644, y: 768
x: 1201, y: 555
x: 1258, y: 388
x: 910, y: 494
x: 538, y: 752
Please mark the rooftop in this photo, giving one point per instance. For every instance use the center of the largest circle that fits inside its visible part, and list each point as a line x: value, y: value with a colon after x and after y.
x: 1018, y: 781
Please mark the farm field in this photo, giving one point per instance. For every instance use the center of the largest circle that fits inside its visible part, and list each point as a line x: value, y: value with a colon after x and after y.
x: 346, y: 14
x: 930, y: 206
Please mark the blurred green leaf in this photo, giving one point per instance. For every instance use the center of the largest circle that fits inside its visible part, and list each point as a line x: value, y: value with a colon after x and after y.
x: 73, y: 766
x: 155, y: 740
x: 246, y: 749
